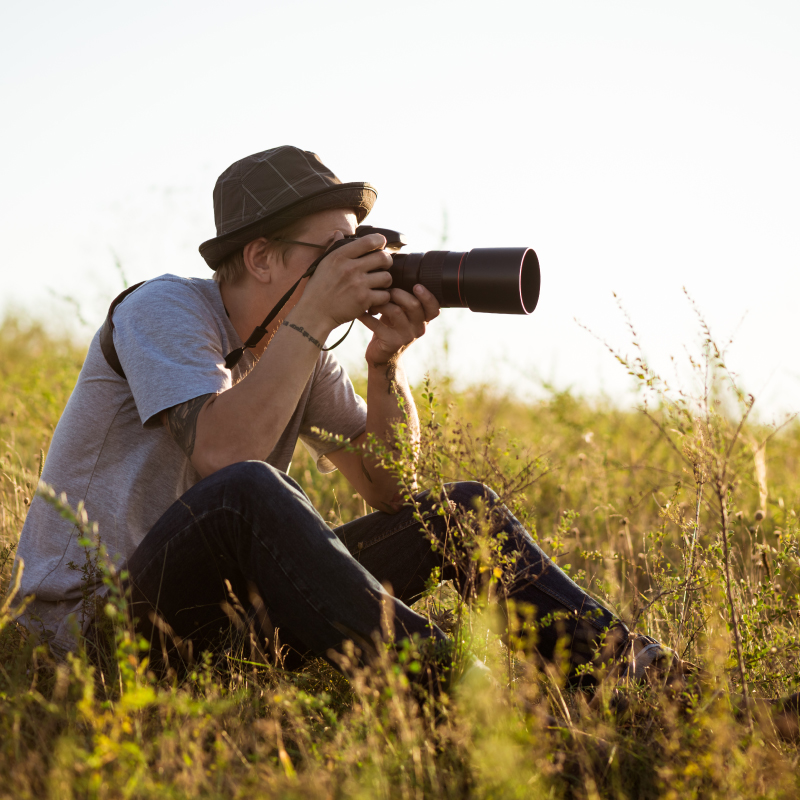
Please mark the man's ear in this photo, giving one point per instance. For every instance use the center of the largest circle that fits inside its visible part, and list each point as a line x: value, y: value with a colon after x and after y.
x: 259, y: 259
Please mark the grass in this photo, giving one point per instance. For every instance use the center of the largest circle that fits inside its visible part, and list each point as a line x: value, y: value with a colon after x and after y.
x: 681, y: 515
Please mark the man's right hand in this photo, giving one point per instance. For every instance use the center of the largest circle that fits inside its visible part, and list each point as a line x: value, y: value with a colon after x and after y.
x: 349, y: 281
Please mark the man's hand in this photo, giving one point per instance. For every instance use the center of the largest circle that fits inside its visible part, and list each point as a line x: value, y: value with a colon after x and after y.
x: 348, y: 281
x: 403, y: 320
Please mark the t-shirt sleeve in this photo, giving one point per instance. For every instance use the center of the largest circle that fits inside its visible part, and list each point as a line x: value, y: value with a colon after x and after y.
x: 170, y: 347
x: 334, y: 407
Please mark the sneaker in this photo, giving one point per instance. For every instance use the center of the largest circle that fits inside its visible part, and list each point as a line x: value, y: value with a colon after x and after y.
x: 646, y: 660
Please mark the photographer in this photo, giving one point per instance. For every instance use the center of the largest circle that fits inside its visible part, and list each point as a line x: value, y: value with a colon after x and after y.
x: 183, y: 461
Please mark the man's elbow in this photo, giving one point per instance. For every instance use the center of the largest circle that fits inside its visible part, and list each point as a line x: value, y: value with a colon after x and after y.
x: 208, y: 459
x: 388, y: 503
x: 206, y: 462
x: 215, y: 449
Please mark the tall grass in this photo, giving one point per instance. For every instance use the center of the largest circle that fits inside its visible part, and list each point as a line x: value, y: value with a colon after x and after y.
x: 682, y: 516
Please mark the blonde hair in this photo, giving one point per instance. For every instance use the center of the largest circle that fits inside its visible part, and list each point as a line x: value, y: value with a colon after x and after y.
x: 232, y: 267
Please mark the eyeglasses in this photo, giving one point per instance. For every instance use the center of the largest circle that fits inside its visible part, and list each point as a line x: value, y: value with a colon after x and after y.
x: 305, y: 244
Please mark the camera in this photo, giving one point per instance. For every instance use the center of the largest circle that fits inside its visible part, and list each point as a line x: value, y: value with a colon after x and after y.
x: 494, y: 280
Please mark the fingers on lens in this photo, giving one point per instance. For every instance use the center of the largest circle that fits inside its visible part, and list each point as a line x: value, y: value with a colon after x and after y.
x: 379, y: 279
x: 407, y: 301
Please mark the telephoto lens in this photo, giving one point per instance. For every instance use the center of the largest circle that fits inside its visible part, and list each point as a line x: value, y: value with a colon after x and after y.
x: 494, y: 280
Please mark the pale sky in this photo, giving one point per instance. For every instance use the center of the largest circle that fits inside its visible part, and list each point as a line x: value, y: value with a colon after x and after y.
x: 637, y: 147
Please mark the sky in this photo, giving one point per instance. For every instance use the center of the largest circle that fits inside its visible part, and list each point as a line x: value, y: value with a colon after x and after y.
x: 640, y: 148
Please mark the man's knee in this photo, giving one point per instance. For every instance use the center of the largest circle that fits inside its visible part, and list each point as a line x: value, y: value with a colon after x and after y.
x: 249, y: 479
x: 470, y: 495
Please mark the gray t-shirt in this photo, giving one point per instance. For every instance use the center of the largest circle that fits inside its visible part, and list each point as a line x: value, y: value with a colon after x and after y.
x: 111, y: 451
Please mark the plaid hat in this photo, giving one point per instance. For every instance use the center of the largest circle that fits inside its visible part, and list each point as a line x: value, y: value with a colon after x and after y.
x: 268, y: 191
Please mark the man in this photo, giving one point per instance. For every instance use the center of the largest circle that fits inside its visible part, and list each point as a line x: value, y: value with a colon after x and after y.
x: 183, y: 462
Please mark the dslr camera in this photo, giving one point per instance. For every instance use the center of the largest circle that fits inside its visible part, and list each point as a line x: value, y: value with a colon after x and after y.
x: 494, y: 280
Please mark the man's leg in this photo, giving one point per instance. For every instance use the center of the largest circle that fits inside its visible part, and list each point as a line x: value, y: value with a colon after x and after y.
x: 253, y: 527
x: 396, y: 550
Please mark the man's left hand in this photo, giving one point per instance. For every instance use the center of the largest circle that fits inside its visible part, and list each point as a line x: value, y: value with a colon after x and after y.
x: 403, y: 320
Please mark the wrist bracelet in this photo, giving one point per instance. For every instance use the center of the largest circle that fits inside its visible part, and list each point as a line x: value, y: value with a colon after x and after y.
x: 301, y: 329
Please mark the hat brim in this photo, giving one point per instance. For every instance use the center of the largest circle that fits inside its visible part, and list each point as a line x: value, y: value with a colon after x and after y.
x: 358, y: 196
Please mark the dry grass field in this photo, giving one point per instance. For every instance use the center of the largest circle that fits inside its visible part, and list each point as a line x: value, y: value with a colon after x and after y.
x: 681, y: 515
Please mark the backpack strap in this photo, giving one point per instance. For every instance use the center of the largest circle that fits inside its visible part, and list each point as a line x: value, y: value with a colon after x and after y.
x: 107, y: 332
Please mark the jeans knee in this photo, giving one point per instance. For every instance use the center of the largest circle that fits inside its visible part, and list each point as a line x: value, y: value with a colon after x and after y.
x: 247, y: 480
x: 468, y: 494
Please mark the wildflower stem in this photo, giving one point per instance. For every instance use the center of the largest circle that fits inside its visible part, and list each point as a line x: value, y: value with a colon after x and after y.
x: 690, y: 567
x: 722, y: 495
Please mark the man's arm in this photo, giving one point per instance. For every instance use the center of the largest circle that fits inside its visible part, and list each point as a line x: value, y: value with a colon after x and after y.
x: 387, y: 388
x: 181, y: 422
x: 246, y: 421
x: 402, y: 321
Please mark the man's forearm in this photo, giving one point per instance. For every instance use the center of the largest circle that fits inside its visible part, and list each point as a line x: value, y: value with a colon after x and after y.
x: 389, y: 401
x: 246, y: 421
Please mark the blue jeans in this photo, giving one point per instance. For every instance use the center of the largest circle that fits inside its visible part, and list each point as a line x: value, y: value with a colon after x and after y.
x: 248, y: 531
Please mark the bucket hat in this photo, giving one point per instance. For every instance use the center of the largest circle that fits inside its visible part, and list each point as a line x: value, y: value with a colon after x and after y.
x: 262, y: 193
